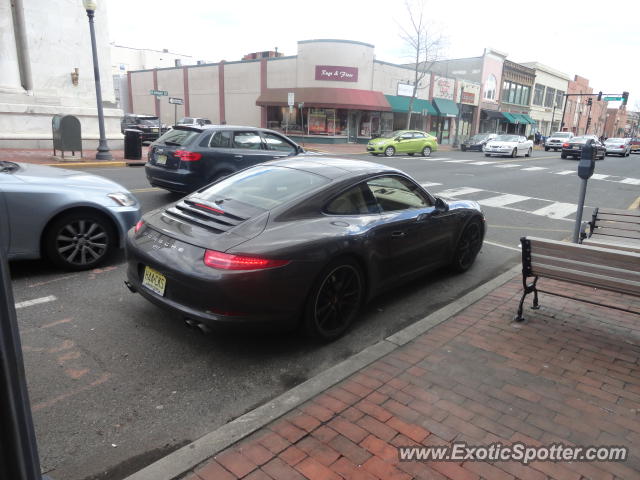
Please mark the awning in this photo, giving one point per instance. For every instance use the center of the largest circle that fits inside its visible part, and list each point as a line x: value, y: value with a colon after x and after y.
x: 400, y: 104
x: 349, y: 98
x: 528, y: 118
x: 445, y: 107
x: 510, y: 118
x: 491, y: 114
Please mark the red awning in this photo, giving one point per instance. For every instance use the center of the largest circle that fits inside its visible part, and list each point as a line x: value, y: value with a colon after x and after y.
x: 348, y: 98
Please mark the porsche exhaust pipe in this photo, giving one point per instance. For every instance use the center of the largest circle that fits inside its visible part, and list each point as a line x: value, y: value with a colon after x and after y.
x: 189, y: 322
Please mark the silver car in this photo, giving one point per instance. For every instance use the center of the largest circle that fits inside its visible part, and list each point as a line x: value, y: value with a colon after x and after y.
x: 74, y: 219
x: 618, y: 146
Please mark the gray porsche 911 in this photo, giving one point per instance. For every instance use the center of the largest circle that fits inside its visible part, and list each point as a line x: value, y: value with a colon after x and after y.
x: 299, y: 240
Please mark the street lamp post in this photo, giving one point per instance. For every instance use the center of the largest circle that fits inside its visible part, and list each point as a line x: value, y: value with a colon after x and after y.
x: 103, y: 149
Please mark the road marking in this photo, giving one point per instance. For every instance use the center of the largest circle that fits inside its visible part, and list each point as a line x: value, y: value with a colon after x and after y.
x: 635, y: 204
x: 508, y: 165
x: 565, y: 172
x: 599, y: 176
x: 533, y: 169
x: 36, y: 301
x: 631, y: 181
x: 143, y: 190
x: 537, y: 229
x: 502, y: 200
x: 454, y: 192
x: 502, y: 246
x: 482, y: 163
x: 430, y: 184
x: 458, y: 161
x: 556, y: 210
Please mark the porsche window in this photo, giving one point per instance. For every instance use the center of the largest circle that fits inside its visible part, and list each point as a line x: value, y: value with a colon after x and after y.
x: 396, y: 193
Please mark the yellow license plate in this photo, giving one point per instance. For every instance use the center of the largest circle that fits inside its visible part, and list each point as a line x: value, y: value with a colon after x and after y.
x: 161, y: 160
x: 154, y: 280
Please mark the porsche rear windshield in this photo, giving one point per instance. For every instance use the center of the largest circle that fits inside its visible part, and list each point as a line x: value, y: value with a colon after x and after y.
x: 263, y: 186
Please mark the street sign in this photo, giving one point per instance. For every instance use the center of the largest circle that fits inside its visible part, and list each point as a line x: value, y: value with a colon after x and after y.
x: 611, y: 99
x: 291, y: 98
x: 176, y: 101
x: 159, y: 93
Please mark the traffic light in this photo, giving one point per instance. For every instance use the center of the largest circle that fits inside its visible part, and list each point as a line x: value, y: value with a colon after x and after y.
x: 599, y: 96
x: 625, y: 97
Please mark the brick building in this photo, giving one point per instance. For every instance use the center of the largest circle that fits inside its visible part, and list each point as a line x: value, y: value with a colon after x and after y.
x: 616, y: 122
x: 578, y: 111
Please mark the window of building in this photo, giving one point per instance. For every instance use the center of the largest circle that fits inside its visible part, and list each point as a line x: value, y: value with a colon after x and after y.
x: 538, y: 94
x: 526, y: 95
x: 518, y: 97
x: 559, y: 98
x: 505, y: 91
x: 490, y: 88
x: 549, y: 97
x: 512, y: 92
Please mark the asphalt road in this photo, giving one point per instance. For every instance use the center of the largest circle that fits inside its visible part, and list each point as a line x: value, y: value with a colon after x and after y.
x: 115, y: 382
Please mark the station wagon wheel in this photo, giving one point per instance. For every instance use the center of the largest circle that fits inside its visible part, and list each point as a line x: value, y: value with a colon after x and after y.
x: 334, y: 301
x: 426, y: 152
x: 389, y: 152
x: 468, y: 247
x: 79, y: 240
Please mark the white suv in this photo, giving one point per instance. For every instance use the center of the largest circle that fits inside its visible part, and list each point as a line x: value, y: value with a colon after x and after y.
x: 556, y: 140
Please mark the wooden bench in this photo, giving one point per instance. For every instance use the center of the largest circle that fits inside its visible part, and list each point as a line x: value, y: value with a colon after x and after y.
x: 605, y: 268
x: 609, y: 228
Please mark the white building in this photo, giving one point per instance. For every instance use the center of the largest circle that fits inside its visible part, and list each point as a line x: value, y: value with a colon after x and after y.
x: 37, y: 59
x: 547, y: 100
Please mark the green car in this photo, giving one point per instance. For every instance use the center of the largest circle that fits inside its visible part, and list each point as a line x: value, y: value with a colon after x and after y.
x: 405, y: 142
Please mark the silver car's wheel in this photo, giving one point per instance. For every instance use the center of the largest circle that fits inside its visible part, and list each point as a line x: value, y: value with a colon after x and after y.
x: 528, y: 154
x: 426, y: 152
x: 514, y: 153
x: 79, y: 241
x: 389, y: 152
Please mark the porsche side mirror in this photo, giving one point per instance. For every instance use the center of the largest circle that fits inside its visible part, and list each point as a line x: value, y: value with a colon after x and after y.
x: 441, y: 205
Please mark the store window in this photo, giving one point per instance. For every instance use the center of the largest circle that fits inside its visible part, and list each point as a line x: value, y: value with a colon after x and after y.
x: 550, y: 97
x: 327, y: 121
x: 559, y: 98
x: 364, y: 129
x: 283, y: 118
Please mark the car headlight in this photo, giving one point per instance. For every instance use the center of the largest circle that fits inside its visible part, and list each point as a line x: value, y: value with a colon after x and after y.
x: 123, y: 199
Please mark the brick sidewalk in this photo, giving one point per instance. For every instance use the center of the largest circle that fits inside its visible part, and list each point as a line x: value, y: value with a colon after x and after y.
x: 568, y: 374
x: 44, y: 157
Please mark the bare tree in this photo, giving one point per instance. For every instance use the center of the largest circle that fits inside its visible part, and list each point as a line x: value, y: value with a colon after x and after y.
x: 424, y: 43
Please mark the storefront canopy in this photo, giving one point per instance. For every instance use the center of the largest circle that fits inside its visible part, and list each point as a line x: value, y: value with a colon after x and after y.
x: 528, y: 119
x: 491, y: 114
x: 445, y: 107
x: 400, y: 104
x: 511, y: 118
x: 348, y: 98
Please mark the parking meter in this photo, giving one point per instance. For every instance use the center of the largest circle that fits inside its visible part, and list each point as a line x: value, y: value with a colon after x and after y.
x: 587, y: 160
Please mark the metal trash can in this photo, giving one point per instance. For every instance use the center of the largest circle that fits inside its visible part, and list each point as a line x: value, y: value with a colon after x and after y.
x: 132, y: 144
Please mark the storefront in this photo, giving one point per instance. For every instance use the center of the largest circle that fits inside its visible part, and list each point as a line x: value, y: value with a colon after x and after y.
x: 447, y: 112
x: 420, y: 112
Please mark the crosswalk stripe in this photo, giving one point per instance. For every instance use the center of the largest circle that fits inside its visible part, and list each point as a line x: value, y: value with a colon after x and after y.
x: 599, y: 176
x: 458, y: 161
x: 502, y: 200
x: 565, y: 172
x: 556, y: 210
x: 533, y: 169
x: 455, y: 192
x: 508, y: 165
x: 482, y: 163
x: 430, y: 184
x: 36, y: 301
x: 631, y: 181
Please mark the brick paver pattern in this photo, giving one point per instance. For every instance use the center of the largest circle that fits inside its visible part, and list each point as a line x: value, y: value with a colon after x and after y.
x: 568, y: 374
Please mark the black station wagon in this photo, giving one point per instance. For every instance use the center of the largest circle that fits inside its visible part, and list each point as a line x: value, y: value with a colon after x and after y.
x: 187, y: 158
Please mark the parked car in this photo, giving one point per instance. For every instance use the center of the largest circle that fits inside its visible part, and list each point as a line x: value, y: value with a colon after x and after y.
x: 573, y: 148
x: 74, y: 219
x: 556, y: 140
x: 299, y: 241
x: 406, y: 142
x: 147, y: 124
x: 194, y: 122
x: 510, y: 145
x: 635, y: 145
x: 187, y: 158
x: 618, y: 146
x: 477, y: 142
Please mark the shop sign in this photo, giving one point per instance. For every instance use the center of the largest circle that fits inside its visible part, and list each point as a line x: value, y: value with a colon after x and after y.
x: 468, y: 97
x: 405, y: 90
x: 468, y: 93
x: 443, y: 87
x: 336, y: 74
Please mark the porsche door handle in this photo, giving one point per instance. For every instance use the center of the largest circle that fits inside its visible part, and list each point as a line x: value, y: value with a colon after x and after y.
x: 398, y: 234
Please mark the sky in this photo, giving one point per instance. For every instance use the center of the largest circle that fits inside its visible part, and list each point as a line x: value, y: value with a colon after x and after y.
x: 575, y: 37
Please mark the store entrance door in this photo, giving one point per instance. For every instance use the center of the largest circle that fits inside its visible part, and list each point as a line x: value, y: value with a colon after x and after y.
x: 353, y: 127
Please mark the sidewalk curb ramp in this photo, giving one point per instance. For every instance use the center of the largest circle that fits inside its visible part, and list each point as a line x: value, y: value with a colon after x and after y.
x: 189, y: 456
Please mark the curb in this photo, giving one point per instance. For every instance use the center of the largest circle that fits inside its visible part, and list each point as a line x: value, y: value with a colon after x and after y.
x: 189, y: 456
x: 86, y: 164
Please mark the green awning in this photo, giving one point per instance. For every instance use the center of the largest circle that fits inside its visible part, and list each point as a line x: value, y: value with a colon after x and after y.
x: 510, y: 118
x: 528, y: 118
x: 445, y: 107
x: 400, y: 104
